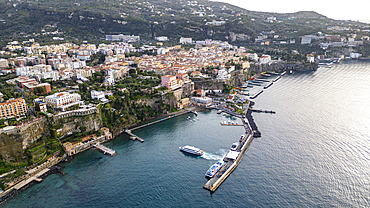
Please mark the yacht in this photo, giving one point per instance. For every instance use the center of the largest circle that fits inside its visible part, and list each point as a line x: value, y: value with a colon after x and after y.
x: 192, y: 150
x: 214, y: 169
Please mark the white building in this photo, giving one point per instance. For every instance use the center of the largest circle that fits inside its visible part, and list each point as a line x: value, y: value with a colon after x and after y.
x: 265, y: 59
x: 120, y: 37
x: 310, y: 58
x: 222, y: 74
x: 62, y: 99
x: 97, y: 94
x: 253, y: 57
x: 355, y: 55
x: 162, y: 51
x: 186, y: 40
x: 162, y: 38
x: 206, y: 101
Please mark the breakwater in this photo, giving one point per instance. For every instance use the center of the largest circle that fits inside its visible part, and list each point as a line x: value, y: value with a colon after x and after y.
x: 231, y: 164
x: 251, y: 122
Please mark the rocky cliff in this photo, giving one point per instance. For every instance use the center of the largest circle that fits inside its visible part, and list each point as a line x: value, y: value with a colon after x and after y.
x: 14, y: 142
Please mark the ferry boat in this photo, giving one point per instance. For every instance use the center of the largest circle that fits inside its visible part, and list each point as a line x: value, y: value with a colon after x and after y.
x: 214, y: 169
x: 191, y: 150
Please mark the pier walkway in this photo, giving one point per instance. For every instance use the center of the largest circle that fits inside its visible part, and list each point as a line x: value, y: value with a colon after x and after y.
x: 105, y: 149
x: 171, y: 115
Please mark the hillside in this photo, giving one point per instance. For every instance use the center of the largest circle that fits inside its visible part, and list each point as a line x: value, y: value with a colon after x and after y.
x: 93, y: 19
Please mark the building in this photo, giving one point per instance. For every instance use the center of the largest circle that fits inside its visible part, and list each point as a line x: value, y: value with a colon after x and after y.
x: 306, y: 40
x: 310, y: 58
x: 355, y: 55
x: 40, y: 106
x: 4, y: 63
x: 186, y: 40
x: 13, y: 108
x: 120, y: 37
x: 162, y: 38
x: 202, y: 101
x: 62, y: 100
x: 265, y: 59
x: 195, y: 74
x: 32, y: 85
x: 97, y: 95
x: 183, y: 76
x: 169, y: 81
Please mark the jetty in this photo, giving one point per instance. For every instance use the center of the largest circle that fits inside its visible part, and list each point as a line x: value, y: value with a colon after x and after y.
x: 231, y: 124
x: 133, y: 136
x: 105, y: 149
x: 256, y: 95
x: 231, y: 164
x: 262, y: 111
x: 268, y: 85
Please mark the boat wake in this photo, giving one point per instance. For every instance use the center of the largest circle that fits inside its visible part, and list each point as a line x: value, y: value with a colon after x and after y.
x: 210, y: 156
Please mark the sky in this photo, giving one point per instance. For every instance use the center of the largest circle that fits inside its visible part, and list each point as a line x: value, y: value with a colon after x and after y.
x: 335, y: 9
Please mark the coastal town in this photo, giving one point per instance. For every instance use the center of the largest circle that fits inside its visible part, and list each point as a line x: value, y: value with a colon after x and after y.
x: 66, y: 98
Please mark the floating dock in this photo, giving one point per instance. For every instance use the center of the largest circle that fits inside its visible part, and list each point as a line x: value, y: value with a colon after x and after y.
x: 105, y: 149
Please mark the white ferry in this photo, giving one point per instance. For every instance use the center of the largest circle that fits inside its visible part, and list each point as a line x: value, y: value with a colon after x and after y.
x: 192, y: 150
x: 214, y: 169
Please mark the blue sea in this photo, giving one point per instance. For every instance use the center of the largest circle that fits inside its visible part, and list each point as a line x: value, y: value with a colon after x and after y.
x: 314, y: 152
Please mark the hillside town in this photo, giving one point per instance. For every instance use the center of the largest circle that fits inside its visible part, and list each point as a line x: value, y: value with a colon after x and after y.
x: 86, y: 94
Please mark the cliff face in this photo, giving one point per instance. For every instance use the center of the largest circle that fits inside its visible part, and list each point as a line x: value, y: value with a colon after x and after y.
x: 70, y: 123
x: 13, y: 143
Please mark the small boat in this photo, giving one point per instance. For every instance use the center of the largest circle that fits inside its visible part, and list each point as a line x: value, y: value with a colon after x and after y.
x: 214, y: 169
x: 191, y: 150
x: 188, y: 117
x: 234, y: 146
x: 195, y: 113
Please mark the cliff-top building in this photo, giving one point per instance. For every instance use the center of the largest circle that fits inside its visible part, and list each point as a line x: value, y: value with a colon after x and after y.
x: 62, y: 100
x: 13, y: 108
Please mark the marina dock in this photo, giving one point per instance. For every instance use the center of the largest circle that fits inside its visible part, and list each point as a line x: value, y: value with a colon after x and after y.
x: 256, y: 95
x: 105, y: 149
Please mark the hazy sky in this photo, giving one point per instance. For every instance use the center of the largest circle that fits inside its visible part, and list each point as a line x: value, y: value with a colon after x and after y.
x: 336, y: 9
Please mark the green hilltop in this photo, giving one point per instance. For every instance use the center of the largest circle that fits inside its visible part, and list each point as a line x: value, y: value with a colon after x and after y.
x: 93, y: 19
